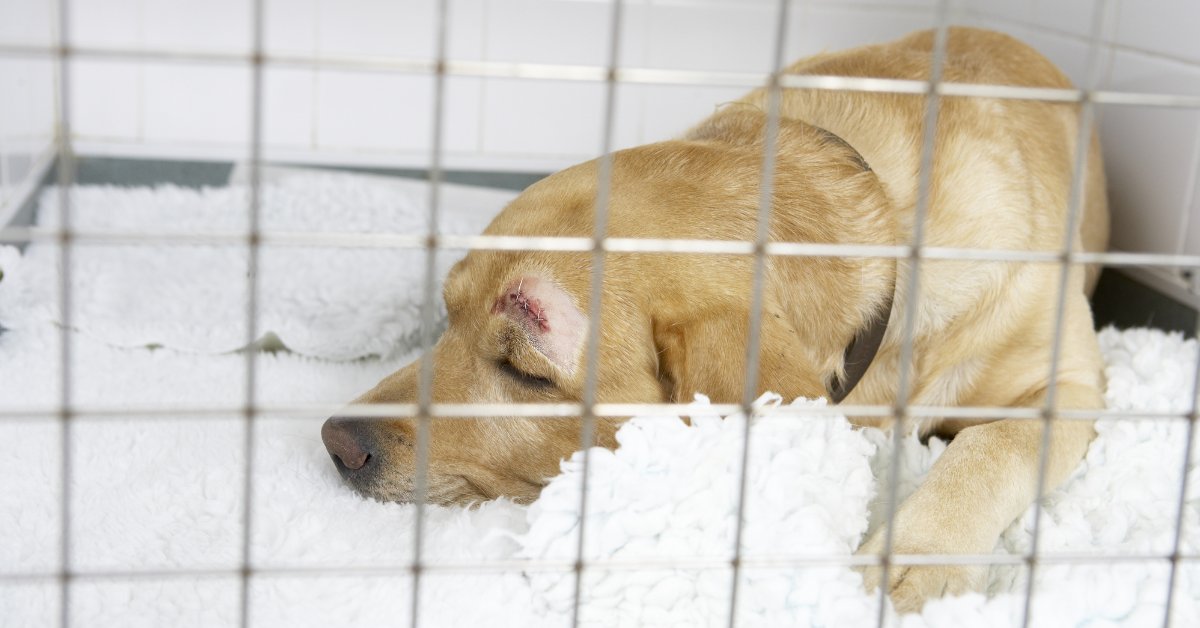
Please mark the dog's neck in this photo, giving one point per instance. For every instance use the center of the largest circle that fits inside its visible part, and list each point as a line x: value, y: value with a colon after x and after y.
x: 863, y: 348
x: 827, y: 316
x: 861, y: 352
x: 746, y: 126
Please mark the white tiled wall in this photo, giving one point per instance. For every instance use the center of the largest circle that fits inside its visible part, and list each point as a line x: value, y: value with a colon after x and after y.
x: 26, y: 98
x: 1151, y: 154
x: 384, y: 118
x: 336, y: 114
x: 375, y: 117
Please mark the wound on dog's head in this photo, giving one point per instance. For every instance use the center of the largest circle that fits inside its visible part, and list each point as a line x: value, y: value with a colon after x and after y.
x: 548, y: 316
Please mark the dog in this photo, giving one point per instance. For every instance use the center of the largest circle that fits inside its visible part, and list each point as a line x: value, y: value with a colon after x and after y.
x: 673, y: 324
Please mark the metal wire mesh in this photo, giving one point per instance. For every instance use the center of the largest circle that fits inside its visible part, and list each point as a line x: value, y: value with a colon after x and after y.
x: 587, y: 424
x: 253, y: 229
x: 66, y: 173
x: 1074, y: 212
x: 754, y: 337
x: 426, y: 410
x: 909, y: 316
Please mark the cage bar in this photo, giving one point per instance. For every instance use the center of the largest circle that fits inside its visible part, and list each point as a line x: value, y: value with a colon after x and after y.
x: 710, y: 563
x: 66, y: 175
x: 1083, y: 142
x: 584, y: 73
x: 913, y: 292
x: 587, y: 422
x: 1189, y: 198
x: 426, y: 359
x: 449, y: 411
x: 766, y: 195
x: 425, y: 410
x: 253, y: 220
x: 19, y: 235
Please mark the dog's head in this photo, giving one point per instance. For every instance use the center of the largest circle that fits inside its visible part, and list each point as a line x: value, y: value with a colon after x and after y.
x: 670, y: 326
x: 517, y: 329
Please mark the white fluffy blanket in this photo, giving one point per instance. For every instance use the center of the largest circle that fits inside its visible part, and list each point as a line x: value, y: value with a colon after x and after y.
x: 336, y: 303
x: 164, y: 493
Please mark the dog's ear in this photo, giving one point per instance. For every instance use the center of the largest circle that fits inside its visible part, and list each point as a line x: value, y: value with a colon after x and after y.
x: 703, y: 355
x: 745, y: 124
x: 707, y: 355
x: 551, y: 319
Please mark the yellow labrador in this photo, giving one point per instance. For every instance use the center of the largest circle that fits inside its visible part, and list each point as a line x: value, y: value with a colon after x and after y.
x: 675, y: 324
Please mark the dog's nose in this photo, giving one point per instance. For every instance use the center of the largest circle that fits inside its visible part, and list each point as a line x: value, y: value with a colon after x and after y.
x: 344, y: 444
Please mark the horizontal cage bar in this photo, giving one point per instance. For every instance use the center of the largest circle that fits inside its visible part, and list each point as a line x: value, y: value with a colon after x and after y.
x: 617, y: 564
x: 584, y: 73
x: 453, y: 411
x: 566, y: 244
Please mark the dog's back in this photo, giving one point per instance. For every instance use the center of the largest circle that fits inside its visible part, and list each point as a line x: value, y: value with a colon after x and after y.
x: 1000, y: 179
x: 887, y: 127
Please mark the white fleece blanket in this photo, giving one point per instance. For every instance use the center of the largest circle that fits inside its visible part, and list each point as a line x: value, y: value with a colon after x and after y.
x: 337, y: 303
x: 165, y: 493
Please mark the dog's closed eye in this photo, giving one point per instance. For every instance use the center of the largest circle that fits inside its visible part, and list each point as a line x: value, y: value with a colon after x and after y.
x: 525, y: 379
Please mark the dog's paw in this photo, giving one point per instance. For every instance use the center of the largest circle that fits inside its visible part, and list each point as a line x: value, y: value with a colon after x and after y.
x: 910, y: 586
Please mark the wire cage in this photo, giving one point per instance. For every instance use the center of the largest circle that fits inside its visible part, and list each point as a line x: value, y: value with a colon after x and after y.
x: 1091, y: 97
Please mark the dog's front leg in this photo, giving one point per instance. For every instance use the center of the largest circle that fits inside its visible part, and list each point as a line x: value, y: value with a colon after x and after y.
x: 984, y: 480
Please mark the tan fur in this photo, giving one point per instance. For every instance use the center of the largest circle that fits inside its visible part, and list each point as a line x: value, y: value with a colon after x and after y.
x: 674, y: 324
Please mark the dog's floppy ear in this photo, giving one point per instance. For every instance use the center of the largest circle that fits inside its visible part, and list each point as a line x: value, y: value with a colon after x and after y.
x: 744, y: 124
x: 553, y: 323
x: 707, y: 354
x: 704, y: 355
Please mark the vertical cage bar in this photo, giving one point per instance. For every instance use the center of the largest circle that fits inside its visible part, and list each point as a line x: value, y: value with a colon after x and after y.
x: 66, y: 179
x: 1189, y: 200
x: 425, y: 373
x: 253, y: 220
x: 766, y: 194
x: 906, y: 375
x: 1083, y: 144
x: 587, y: 420
x: 1180, y: 522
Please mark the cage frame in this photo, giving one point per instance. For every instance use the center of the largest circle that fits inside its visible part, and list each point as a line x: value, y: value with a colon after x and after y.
x: 425, y: 410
